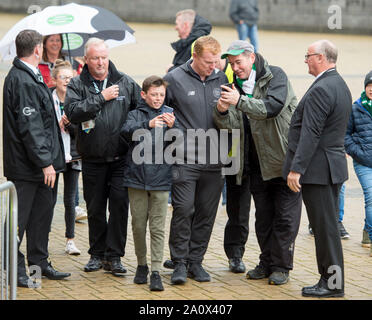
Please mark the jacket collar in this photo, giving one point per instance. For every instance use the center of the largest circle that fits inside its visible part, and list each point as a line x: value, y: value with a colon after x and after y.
x: 327, y: 73
x: 20, y: 65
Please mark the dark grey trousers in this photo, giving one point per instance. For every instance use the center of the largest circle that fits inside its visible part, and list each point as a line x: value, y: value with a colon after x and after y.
x: 195, y: 196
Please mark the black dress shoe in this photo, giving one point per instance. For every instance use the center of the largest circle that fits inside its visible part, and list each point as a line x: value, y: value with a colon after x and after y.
x: 236, y: 265
x: 115, y: 267
x: 93, y: 264
x: 53, y: 274
x: 23, y: 282
x: 320, y: 291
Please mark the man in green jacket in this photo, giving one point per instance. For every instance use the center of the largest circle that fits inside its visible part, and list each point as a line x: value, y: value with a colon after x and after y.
x: 260, y: 103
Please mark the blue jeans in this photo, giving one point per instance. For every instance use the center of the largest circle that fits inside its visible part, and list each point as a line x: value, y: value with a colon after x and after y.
x: 364, y: 175
x: 341, y: 202
x: 245, y: 31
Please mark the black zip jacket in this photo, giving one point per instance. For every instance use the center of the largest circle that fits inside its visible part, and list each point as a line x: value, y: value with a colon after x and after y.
x: 146, y: 176
x: 193, y: 101
x: 31, y: 135
x: 82, y: 103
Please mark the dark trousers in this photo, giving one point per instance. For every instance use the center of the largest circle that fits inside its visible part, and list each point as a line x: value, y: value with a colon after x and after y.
x: 35, y: 214
x: 70, y: 184
x: 195, y: 196
x: 278, y: 214
x: 321, y: 202
x: 237, y: 226
x: 103, y: 182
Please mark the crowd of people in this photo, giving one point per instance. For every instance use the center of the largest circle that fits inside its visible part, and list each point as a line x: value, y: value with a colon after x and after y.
x: 288, y: 152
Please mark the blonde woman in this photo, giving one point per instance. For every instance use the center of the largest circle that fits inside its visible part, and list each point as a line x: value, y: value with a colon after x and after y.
x: 62, y: 74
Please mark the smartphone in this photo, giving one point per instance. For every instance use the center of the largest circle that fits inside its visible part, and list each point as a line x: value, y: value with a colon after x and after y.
x: 230, y: 85
x: 167, y: 109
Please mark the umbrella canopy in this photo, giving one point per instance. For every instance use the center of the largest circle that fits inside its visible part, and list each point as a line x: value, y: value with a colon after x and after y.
x: 77, y: 22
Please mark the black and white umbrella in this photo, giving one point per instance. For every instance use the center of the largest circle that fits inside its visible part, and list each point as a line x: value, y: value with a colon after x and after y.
x: 76, y: 22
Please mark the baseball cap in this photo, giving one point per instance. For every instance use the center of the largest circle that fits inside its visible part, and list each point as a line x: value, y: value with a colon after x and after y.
x: 238, y: 47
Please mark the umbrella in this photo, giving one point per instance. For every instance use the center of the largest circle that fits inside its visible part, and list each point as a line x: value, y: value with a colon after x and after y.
x: 77, y: 22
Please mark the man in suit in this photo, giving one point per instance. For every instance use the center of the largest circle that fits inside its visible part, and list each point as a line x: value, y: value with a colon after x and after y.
x: 316, y: 163
x: 33, y: 155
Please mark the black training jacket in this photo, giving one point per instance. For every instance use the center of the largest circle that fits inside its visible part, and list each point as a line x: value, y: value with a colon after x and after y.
x: 31, y: 135
x: 83, y: 103
x: 146, y: 176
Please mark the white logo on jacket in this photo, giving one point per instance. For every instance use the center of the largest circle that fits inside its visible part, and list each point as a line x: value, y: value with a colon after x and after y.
x: 27, y: 111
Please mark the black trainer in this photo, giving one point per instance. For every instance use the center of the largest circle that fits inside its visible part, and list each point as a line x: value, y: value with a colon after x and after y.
x: 236, y: 265
x: 141, y: 274
x: 197, y: 272
x: 94, y: 264
x: 258, y: 273
x: 169, y: 264
x: 278, y: 278
x: 155, y: 282
x: 179, y: 275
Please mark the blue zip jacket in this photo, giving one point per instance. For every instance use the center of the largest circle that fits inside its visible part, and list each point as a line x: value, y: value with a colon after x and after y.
x: 358, y: 139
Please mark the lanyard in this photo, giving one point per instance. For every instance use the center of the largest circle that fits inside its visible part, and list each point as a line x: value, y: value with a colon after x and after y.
x: 103, y: 87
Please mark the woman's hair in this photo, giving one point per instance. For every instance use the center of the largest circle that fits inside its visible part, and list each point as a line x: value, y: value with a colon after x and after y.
x: 59, y: 65
x: 45, y: 55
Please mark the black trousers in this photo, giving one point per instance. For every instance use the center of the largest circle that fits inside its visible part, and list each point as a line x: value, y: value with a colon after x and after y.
x: 70, y: 184
x: 278, y: 214
x: 321, y: 202
x: 35, y: 214
x: 102, y: 183
x: 195, y: 196
x: 237, y: 207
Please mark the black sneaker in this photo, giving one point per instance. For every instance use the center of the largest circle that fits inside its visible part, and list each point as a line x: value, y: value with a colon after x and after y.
x: 258, y: 273
x: 115, y: 267
x: 93, y: 264
x: 141, y: 274
x: 197, y: 272
x: 278, y: 278
x: 236, y: 265
x: 343, y: 233
x: 169, y: 264
x: 179, y: 275
x: 155, y: 282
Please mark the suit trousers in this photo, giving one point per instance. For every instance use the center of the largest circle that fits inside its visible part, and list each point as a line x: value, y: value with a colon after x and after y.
x: 102, y: 183
x: 278, y: 215
x: 321, y: 202
x: 196, y: 192
x: 35, y: 214
x: 238, y: 207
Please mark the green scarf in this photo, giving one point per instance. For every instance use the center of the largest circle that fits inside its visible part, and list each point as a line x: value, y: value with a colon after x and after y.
x: 366, y: 102
x: 252, y: 78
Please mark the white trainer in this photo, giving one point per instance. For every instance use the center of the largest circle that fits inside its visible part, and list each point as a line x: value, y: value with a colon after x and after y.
x: 80, y: 214
x: 71, y: 248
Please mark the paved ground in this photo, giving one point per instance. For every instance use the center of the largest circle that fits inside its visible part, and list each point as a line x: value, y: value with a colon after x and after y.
x: 286, y: 50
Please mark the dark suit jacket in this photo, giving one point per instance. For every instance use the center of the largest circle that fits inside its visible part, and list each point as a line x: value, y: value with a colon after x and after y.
x: 317, y: 132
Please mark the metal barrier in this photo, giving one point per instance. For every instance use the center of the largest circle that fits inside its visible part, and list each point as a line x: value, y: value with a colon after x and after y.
x: 9, y: 246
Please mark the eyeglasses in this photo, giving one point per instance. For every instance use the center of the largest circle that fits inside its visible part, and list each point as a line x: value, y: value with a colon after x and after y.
x: 65, y: 78
x: 307, y: 56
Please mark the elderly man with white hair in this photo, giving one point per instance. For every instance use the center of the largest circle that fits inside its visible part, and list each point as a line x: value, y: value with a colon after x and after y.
x: 316, y: 162
x: 98, y: 100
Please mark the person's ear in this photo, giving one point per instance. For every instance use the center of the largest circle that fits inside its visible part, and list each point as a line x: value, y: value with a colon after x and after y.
x: 143, y: 95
